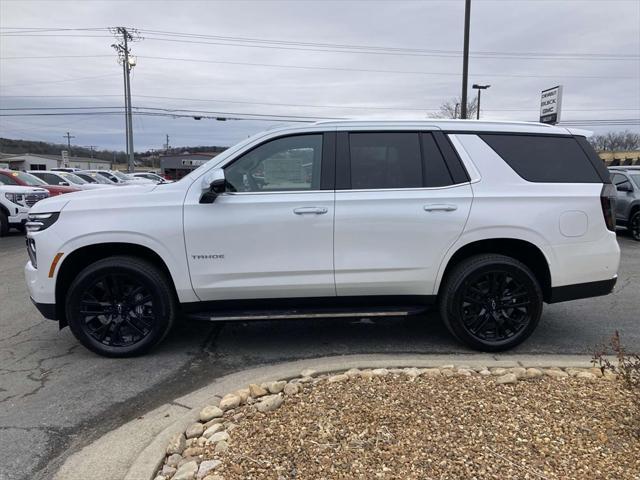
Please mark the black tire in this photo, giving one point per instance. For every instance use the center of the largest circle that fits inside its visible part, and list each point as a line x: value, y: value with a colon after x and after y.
x: 120, y: 306
x: 497, y: 295
x: 4, y: 224
x: 634, y: 226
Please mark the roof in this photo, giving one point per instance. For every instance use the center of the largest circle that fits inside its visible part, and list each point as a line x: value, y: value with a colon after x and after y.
x: 52, y: 156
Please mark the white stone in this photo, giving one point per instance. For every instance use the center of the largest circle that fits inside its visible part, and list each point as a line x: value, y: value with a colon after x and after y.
x: 380, y: 372
x: 431, y: 372
x: 507, y: 378
x: 352, y: 372
x: 533, y: 373
x: 308, y: 372
x: 213, y: 429
x: 338, y: 378
x: 177, y: 444
x: 551, y: 372
x: 168, y: 471
x: 218, y: 437
x: 276, y: 387
x: 222, y: 446
x: 186, y: 471
x: 194, y: 430
x: 206, y: 467
x: 174, y: 459
x: 484, y: 372
x: 257, y: 391
x: 243, y: 393
x: 291, y: 388
x: 270, y: 403
x: 210, y: 412
x: 229, y: 401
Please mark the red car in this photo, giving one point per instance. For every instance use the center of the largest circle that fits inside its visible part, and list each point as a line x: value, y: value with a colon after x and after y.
x: 23, y: 179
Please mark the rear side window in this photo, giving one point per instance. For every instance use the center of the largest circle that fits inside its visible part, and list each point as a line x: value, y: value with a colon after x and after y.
x: 551, y: 159
x: 385, y: 160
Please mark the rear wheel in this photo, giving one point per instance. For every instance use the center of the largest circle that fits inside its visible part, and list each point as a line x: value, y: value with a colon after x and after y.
x: 120, y: 306
x: 634, y: 226
x: 491, y: 302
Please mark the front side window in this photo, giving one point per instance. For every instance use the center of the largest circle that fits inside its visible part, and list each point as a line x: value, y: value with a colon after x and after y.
x: 385, y: 160
x: 72, y: 178
x: 6, y: 180
x: 283, y: 164
x: 636, y: 179
x: 28, y: 179
x: 618, y: 180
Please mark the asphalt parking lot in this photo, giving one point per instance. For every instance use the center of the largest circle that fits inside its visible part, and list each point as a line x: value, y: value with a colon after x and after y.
x: 55, y: 396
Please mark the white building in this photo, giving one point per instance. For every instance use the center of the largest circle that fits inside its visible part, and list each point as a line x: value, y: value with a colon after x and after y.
x: 33, y: 161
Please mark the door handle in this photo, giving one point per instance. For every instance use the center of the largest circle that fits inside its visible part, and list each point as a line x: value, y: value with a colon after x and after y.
x: 440, y: 207
x: 310, y: 210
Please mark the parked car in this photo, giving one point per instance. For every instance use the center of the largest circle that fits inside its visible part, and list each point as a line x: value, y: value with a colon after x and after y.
x: 120, y: 178
x: 627, y: 182
x: 65, y: 178
x: 487, y: 220
x: 15, y: 202
x: 66, y: 169
x: 154, y: 177
x: 93, y: 178
x: 25, y: 179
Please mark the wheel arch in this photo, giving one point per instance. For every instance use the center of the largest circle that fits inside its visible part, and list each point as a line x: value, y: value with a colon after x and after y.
x: 522, y: 250
x: 78, y: 259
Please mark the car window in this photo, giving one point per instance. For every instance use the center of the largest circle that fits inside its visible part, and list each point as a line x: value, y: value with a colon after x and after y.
x: 49, y: 178
x: 283, y: 164
x: 28, y: 179
x: 73, y: 178
x: 385, y: 160
x: 7, y: 180
x: 544, y: 158
x: 636, y: 179
x: 618, y: 179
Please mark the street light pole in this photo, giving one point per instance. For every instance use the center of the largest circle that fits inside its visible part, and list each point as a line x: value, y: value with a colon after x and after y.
x: 479, y: 88
x: 465, y: 59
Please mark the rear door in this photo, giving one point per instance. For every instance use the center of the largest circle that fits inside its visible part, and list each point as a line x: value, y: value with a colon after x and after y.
x: 402, y: 199
x: 624, y: 197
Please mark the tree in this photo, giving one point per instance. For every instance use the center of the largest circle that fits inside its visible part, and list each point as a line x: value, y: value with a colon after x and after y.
x: 451, y: 109
x: 616, y: 141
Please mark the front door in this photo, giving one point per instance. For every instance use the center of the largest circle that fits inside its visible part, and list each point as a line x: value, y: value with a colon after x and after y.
x: 271, y: 234
x: 399, y: 209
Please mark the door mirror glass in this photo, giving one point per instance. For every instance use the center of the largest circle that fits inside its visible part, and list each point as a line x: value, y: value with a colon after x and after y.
x: 215, y: 184
x: 64, y: 184
x: 625, y: 187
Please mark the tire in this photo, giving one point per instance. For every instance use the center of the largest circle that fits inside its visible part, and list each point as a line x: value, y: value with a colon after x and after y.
x: 477, y: 298
x: 634, y: 226
x: 120, y: 306
x: 4, y: 224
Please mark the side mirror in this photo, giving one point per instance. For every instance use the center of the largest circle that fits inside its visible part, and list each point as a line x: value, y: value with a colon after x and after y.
x: 64, y: 184
x: 625, y: 187
x: 214, y: 185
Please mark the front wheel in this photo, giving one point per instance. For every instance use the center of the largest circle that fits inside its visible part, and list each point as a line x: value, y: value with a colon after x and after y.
x: 120, y: 306
x: 634, y: 226
x: 491, y: 302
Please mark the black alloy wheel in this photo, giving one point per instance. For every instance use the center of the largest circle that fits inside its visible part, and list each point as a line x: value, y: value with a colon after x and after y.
x: 491, y: 302
x: 634, y: 226
x: 120, y: 306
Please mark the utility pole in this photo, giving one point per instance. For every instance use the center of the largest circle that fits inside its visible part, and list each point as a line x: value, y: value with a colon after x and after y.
x: 465, y: 58
x: 68, y: 136
x: 166, y: 145
x: 90, y: 147
x: 128, y: 62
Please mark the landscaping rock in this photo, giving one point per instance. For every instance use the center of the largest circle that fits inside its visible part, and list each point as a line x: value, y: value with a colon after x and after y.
x: 555, y: 373
x: 484, y: 372
x: 276, y: 387
x: 218, y: 437
x: 533, y: 373
x: 291, y: 388
x: 257, y: 391
x: 338, y: 378
x: 213, y: 421
x: 499, y: 371
x: 353, y: 372
x: 212, y: 430
x: 194, y: 430
x: 222, y: 446
x: 207, y: 467
x: 210, y: 412
x: 186, y: 471
x: 270, y: 403
x: 168, y: 471
x: 519, y: 372
x: 586, y: 376
x: 229, y: 402
x: 379, y: 372
x: 177, y: 444
x: 507, y: 378
x: 174, y: 459
x: 243, y: 393
x: 431, y: 372
x: 308, y: 372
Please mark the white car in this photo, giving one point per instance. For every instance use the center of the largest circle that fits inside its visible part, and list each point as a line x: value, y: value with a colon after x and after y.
x: 15, y: 202
x: 154, y: 177
x: 55, y: 177
x: 487, y: 220
x: 120, y: 178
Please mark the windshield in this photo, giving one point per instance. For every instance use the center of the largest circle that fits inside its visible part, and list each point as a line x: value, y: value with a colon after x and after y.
x: 72, y: 178
x: 121, y: 176
x: 27, y: 178
x: 636, y: 178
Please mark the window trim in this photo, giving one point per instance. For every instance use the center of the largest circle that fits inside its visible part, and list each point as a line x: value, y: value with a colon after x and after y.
x: 327, y: 165
x: 343, y: 161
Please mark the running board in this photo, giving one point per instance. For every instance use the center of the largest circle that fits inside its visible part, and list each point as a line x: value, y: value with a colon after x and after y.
x: 233, y: 315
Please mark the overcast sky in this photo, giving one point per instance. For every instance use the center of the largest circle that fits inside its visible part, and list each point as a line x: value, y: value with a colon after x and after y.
x: 591, y: 47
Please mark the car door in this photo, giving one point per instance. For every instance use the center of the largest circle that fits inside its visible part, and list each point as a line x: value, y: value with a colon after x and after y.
x: 623, y: 197
x: 270, y: 235
x: 402, y: 199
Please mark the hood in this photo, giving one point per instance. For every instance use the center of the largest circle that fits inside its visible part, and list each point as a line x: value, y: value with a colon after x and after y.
x: 19, y: 189
x: 108, y: 195
x: 59, y: 189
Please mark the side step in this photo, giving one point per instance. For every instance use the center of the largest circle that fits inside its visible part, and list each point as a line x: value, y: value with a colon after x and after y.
x: 232, y: 315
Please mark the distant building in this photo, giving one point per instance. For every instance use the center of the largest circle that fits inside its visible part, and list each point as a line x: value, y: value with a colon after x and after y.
x: 621, y: 158
x: 36, y: 161
x: 177, y: 166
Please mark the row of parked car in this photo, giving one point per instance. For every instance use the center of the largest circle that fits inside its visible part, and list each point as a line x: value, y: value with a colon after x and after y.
x: 19, y: 190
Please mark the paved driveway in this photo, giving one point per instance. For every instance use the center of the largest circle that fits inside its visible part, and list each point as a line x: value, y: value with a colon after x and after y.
x: 55, y: 396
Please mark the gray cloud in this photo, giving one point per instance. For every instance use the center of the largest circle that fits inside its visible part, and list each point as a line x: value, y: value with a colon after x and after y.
x: 557, y: 26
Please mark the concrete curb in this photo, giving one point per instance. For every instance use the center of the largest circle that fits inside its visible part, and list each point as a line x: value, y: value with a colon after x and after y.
x: 139, y: 446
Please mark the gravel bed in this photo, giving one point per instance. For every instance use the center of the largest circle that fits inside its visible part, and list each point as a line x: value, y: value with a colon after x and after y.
x: 448, y: 423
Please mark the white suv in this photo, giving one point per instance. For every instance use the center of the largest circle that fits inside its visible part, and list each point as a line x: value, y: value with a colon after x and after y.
x: 487, y: 220
x: 15, y: 202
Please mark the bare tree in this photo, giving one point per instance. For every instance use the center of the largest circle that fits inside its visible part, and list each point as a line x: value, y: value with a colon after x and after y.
x: 451, y: 109
x: 616, y: 141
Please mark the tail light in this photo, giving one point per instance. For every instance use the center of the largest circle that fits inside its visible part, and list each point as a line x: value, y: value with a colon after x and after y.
x: 608, y: 201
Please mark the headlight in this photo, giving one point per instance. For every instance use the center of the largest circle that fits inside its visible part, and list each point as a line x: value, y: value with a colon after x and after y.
x: 17, y: 198
x: 40, y: 221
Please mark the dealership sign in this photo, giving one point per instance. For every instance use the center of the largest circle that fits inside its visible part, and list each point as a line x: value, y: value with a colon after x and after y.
x: 550, y: 105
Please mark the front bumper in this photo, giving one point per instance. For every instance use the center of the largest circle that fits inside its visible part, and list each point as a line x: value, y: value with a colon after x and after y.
x: 19, y: 216
x: 47, y: 310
